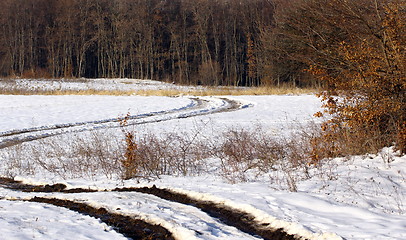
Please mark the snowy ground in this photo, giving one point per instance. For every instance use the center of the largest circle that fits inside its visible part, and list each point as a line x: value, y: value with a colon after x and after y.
x: 361, y: 197
x: 88, y: 84
x: 118, y: 84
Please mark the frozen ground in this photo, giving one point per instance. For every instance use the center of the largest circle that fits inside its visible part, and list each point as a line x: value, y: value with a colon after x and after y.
x: 361, y: 197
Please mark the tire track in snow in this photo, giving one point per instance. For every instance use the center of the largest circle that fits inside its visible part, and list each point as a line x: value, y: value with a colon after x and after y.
x: 199, y: 106
x: 194, y: 104
x: 222, y: 221
x: 130, y: 227
x: 184, y: 221
x: 243, y: 221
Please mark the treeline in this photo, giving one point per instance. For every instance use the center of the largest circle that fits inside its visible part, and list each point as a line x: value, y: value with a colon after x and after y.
x: 210, y: 42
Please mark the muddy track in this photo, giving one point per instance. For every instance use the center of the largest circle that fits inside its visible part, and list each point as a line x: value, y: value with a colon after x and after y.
x: 130, y: 227
x: 198, y: 107
x: 59, y: 187
x: 232, y: 217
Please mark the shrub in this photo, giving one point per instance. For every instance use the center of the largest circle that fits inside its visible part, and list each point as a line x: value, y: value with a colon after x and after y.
x: 357, y: 50
x: 131, y: 159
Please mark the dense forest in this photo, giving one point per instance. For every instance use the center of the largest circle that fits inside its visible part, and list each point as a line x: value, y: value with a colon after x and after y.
x: 209, y: 42
x: 191, y: 42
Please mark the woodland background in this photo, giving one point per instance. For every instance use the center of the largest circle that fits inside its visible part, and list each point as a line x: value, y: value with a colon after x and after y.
x: 208, y: 42
x: 189, y: 42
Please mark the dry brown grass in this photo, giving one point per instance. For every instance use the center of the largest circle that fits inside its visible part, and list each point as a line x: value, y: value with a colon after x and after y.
x: 12, y: 89
x: 77, y: 156
x: 231, y: 91
x: 168, y: 92
x: 242, y: 155
x: 237, y: 155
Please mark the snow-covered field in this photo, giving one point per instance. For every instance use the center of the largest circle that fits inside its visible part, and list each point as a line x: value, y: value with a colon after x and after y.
x: 360, y: 197
x: 88, y: 84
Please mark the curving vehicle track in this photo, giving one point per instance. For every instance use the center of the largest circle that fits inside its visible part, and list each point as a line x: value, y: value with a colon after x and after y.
x: 184, y: 217
x: 197, y: 107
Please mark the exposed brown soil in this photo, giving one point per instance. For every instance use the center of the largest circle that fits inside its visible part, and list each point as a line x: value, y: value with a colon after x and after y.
x: 232, y: 217
x: 129, y: 227
x: 58, y: 187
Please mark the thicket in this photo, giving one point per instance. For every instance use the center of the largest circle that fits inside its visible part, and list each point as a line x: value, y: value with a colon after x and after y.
x: 356, y: 50
x: 210, y: 42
